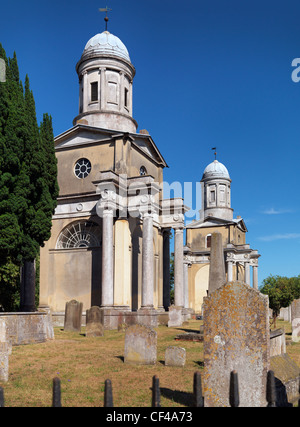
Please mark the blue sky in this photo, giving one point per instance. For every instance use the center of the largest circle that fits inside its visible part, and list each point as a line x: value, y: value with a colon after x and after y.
x: 209, y: 73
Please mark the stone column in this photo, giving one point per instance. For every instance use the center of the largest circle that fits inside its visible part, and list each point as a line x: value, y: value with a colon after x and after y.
x: 229, y: 271
x: 217, y: 264
x: 255, y: 277
x: 186, y: 284
x: 247, y: 273
x: 178, y: 267
x: 107, y: 259
x: 166, y: 268
x: 147, y: 262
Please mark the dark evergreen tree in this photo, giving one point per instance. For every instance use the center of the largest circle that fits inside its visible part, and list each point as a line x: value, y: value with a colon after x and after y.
x: 12, y: 140
x: 28, y: 178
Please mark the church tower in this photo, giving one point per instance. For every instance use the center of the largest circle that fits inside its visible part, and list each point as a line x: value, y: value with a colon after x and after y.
x: 105, y: 84
x: 215, y: 186
x: 216, y: 216
x: 109, y: 244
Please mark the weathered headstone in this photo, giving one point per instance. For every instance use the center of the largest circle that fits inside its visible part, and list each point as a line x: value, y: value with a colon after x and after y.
x: 175, y: 356
x: 5, y: 350
x: 2, y: 330
x: 216, y: 265
x: 140, y: 345
x: 295, y: 315
x: 236, y: 337
x: 73, y: 315
x: 175, y: 316
x: 94, y: 322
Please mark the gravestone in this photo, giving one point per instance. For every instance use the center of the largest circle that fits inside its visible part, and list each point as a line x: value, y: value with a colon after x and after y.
x: 217, y: 265
x: 175, y: 356
x: 175, y: 316
x: 140, y: 345
x: 295, y: 316
x: 236, y: 337
x: 94, y: 322
x: 5, y: 350
x: 73, y: 315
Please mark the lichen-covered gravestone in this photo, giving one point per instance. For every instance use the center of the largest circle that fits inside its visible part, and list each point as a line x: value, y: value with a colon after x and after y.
x: 236, y: 337
x: 73, y: 315
x: 295, y: 315
x: 140, y: 345
x: 175, y: 356
x: 94, y: 322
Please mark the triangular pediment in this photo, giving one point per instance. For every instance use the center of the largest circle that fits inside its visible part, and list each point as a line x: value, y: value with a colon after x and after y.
x: 81, y: 135
x: 211, y: 221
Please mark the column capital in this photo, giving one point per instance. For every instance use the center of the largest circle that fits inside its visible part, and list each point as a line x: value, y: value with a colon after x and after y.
x: 147, y: 214
x: 107, y: 212
x: 178, y: 230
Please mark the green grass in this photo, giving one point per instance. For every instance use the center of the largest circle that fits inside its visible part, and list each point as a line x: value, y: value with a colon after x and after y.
x: 83, y: 364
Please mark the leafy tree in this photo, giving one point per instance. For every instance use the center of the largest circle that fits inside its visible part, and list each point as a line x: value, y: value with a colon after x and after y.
x: 295, y: 285
x: 280, y: 293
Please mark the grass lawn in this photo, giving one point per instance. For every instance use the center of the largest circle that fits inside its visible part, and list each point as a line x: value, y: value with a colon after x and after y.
x: 83, y: 364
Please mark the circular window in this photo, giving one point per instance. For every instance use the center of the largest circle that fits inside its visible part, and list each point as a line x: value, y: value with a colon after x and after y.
x: 143, y: 171
x: 82, y: 168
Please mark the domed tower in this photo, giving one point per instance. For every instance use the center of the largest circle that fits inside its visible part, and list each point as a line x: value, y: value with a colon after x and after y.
x: 215, y: 184
x: 105, y: 84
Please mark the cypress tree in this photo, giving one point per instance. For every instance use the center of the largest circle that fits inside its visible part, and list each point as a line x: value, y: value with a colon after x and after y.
x: 28, y: 178
x: 12, y: 140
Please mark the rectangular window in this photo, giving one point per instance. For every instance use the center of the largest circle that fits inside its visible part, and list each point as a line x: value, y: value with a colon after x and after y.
x: 94, y: 91
x: 212, y: 196
x: 126, y: 97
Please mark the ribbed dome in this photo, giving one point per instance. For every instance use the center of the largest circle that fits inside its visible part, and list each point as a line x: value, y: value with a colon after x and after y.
x: 105, y: 44
x: 215, y: 170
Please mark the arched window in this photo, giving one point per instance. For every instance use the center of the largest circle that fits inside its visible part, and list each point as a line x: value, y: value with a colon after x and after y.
x: 81, y: 234
x: 208, y: 241
x: 143, y: 171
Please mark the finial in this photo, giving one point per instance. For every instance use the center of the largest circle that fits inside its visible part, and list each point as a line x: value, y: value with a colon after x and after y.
x: 105, y: 9
x: 215, y: 153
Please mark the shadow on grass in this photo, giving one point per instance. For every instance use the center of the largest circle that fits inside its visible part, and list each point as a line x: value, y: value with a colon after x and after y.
x: 181, y: 397
x: 195, y: 331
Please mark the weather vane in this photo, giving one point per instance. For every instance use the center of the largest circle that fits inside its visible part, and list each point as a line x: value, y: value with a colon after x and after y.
x: 105, y: 9
x: 215, y: 153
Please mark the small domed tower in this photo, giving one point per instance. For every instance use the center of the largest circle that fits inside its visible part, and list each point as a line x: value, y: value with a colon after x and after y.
x: 215, y: 184
x: 105, y: 84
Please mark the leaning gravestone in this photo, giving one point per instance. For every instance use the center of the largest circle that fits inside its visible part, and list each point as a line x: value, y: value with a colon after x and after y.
x: 140, y: 345
x: 175, y: 316
x: 236, y: 337
x: 175, y: 356
x: 73, y: 315
x: 295, y: 316
x: 94, y: 322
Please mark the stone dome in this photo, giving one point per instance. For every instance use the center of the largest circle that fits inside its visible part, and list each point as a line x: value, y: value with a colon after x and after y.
x: 105, y: 44
x: 215, y: 170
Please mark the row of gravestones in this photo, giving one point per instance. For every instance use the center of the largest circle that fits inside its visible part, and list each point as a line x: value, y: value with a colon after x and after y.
x: 73, y: 319
x: 140, y: 340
